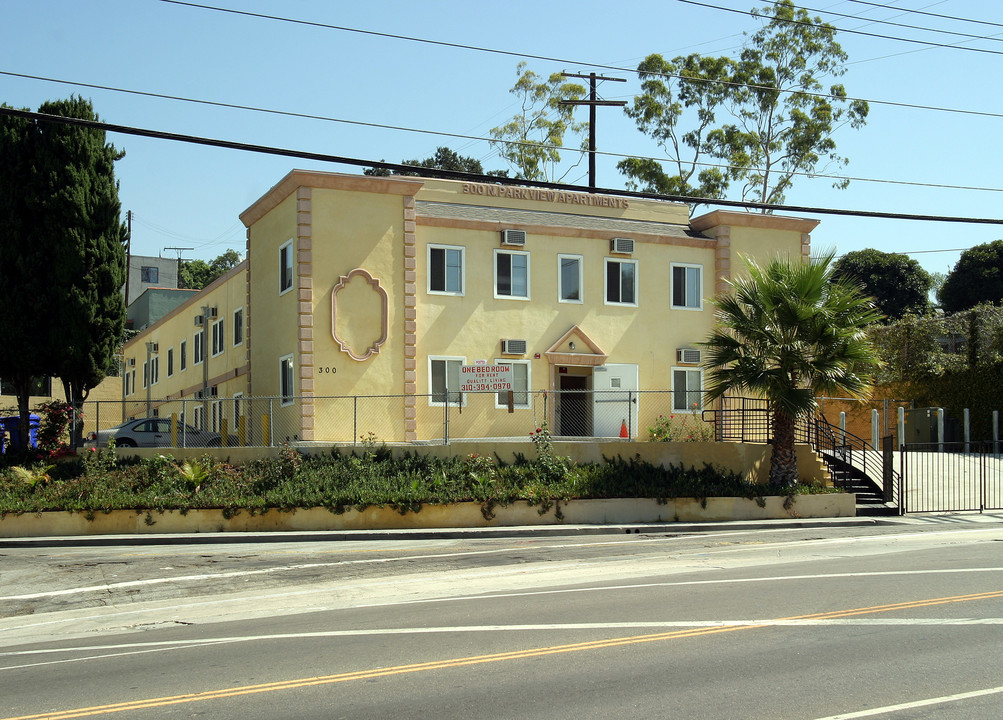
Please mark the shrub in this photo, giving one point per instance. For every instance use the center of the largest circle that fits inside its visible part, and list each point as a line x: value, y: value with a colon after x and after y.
x: 684, y: 428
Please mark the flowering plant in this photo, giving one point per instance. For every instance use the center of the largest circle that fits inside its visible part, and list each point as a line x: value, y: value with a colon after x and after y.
x: 682, y: 428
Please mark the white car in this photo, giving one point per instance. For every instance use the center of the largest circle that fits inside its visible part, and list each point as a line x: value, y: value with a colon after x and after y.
x: 156, y: 432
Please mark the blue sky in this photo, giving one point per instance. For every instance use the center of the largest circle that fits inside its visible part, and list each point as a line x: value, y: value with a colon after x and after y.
x: 191, y: 196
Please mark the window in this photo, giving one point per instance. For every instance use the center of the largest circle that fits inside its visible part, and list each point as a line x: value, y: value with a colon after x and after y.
x: 183, y: 354
x: 149, y: 274
x: 130, y: 382
x: 569, y: 278
x: 444, y: 376
x: 687, y: 389
x: 154, y: 370
x: 146, y: 374
x: 286, y: 387
x: 445, y: 269
x: 686, y: 290
x: 238, y: 327
x: 198, y: 352
x: 621, y: 282
x: 170, y: 362
x: 520, y: 384
x: 218, y: 332
x: 286, y: 267
x: 237, y: 397
x: 511, y: 274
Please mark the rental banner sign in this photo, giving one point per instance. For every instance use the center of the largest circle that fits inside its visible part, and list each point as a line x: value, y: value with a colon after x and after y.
x: 485, y: 378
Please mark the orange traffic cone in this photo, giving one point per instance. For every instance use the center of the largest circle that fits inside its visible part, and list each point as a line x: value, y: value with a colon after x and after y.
x: 623, y: 429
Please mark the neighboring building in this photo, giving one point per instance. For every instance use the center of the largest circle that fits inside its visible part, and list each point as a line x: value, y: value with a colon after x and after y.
x: 149, y: 272
x: 364, y: 286
x: 153, y: 304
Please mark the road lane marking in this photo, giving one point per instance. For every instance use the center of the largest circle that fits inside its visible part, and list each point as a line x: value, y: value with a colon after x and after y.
x: 915, y: 704
x: 470, y: 553
x: 523, y: 654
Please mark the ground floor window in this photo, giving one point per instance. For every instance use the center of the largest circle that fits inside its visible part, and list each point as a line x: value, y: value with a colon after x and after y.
x: 286, y: 387
x: 687, y: 389
x: 444, y: 379
x: 520, y: 384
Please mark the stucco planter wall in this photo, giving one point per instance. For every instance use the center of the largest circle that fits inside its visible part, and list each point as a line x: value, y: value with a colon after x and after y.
x: 459, y: 515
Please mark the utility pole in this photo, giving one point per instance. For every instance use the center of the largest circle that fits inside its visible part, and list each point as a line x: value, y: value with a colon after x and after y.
x: 128, y: 255
x: 179, y: 250
x: 593, y: 102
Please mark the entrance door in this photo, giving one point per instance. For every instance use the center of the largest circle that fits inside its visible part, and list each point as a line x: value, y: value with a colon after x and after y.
x: 574, y: 406
x: 614, y: 395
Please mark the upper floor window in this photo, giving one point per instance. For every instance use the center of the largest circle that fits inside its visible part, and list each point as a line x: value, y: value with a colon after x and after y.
x: 569, y: 278
x: 511, y: 274
x: 621, y: 282
x: 238, y: 326
x: 198, y: 348
x: 445, y: 269
x: 218, y: 333
x: 183, y: 354
x: 686, y: 286
x: 286, y: 267
x: 149, y: 274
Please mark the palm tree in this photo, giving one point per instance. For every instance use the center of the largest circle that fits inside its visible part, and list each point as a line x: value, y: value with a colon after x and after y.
x: 789, y: 332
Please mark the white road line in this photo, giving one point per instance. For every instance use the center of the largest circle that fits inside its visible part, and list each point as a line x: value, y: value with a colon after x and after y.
x: 888, y: 709
x: 432, y: 556
x: 134, y: 648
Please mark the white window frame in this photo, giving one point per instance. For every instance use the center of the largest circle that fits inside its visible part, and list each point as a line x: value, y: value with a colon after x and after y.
x: 238, y: 313
x: 431, y: 392
x: 198, y: 347
x: 620, y: 261
x: 154, y: 370
x: 286, y: 264
x: 146, y: 374
x: 170, y: 362
x: 690, y: 372
x: 238, y: 398
x: 529, y: 384
x: 287, y: 394
x: 218, y: 337
x: 183, y: 355
x: 672, y: 286
x: 581, y: 278
x: 498, y: 253
x: 445, y: 280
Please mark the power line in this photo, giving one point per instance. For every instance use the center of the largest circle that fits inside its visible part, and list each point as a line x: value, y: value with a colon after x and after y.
x: 929, y: 14
x: 474, y: 177
x: 842, y: 30
x: 442, y: 133
x: 895, y: 24
x: 564, y: 61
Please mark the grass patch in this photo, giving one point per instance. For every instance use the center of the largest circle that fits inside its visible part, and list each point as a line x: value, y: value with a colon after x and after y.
x: 99, y: 481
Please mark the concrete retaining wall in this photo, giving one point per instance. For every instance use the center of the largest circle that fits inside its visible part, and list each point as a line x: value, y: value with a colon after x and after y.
x: 460, y: 515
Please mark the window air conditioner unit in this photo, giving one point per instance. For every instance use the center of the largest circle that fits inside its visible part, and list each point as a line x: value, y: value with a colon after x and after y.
x: 621, y: 246
x: 199, y: 320
x: 212, y: 312
x: 513, y: 347
x: 214, y: 391
x: 514, y: 237
x: 689, y: 356
x: 154, y: 347
x: 132, y: 362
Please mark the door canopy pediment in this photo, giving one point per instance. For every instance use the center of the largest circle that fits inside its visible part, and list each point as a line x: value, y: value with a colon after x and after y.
x: 575, y: 348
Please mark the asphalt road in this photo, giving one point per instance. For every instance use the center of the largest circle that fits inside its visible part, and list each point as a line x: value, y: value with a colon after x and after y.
x: 895, y: 621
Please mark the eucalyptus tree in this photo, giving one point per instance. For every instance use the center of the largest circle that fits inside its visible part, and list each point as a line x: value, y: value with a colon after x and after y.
x: 762, y: 119
x: 788, y: 332
x: 532, y: 139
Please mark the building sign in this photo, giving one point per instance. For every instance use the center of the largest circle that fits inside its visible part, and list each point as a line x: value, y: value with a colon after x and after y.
x: 485, y: 378
x: 552, y: 196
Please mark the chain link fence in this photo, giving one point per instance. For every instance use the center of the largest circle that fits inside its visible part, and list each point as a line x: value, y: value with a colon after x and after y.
x: 421, y: 419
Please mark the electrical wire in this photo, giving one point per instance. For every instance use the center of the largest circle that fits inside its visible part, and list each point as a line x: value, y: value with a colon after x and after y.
x: 546, y: 58
x: 473, y: 177
x: 842, y: 30
x: 477, y: 138
x: 929, y: 14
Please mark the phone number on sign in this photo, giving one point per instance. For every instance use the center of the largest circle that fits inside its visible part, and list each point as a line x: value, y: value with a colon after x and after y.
x: 485, y: 387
